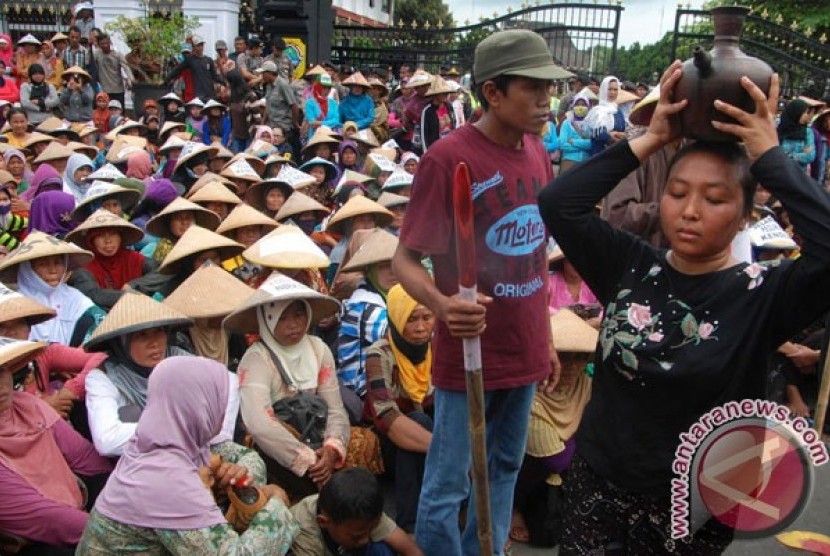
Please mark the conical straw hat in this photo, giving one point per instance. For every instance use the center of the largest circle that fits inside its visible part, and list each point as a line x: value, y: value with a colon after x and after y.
x: 77, y: 70
x: 356, y: 79
x: 572, y: 334
x: 256, y: 193
x: 14, y: 354
x: 130, y: 233
x: 107, y: 172
x: 376, y: 163
x: 124, y: 147
x: 288, y: 176
x: 321, y: 136
x: 287, y: 247
x: 214, y: 192
x: 119, y: 130
x: 192, y: 149
x: 367, y: 137
x: 276, y: 157
x: 102, y: 190
x: 260, y: 148
x: 170, y: 126
x: 355, y: 206
x: 36, y: 137
x: 14, y: 305
x: 244, y: 215
x: 419, y: 78
x: 221, y: 151
x: 159, y: 225
x: 173, y: 142
x: 256, y: 163
x: 134, y: 312
x: 196, y: 240
x: 328, y: 166
x: 642, y: 112
x: 208, y: 293
x: 399, y: 179
x: 315, y: 71
x: 89, y: 150
x: 240, y: 169
x: 55, y: 151
x: 351, y: 175
x: 38, y: 245
x: 279, y: 287
x: 388, y: 200
x: 388, y: 152
x: 299, y: 203
x: 378, y: 247
x: 438, y: 87
x: 208, y: 177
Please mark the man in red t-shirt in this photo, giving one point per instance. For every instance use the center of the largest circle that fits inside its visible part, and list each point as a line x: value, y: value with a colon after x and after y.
x: 509, y: 166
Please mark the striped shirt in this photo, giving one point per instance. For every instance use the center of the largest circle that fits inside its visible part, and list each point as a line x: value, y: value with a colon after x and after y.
x: 9, y: 230
x: 364, y: 322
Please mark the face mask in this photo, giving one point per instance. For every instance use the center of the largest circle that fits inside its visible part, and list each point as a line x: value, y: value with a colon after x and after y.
x: 5, y: 209
x: 580, y: 111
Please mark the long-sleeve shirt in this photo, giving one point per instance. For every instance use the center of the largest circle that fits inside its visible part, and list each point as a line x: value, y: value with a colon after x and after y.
x: 10, y: 232
x: 359, y: 109
x: 364, y: 322
x: 674, y: 346
x: 314, y: 114
x: 86, y: 283
x: 78, y: 105
x: 9, y: 90
x: 203, y: 70
x: 74, y: 364
x: 26, y: 513
x: 109, y: 70
x: 802, y: 151
x: 573, y: 146
x: 224, y: 135
x: 33, y: 111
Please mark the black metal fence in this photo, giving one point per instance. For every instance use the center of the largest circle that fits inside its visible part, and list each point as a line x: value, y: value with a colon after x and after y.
x: 582, y: 37
x: 801, y: 58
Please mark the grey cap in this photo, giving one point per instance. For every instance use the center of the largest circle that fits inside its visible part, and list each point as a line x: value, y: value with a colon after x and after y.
x: 221, y: 45
x: 267, y: 67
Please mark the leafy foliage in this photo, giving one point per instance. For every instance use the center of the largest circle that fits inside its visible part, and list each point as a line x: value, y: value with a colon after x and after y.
x: 638, y: 62
x: 422, y: 11
x: 811, y: 14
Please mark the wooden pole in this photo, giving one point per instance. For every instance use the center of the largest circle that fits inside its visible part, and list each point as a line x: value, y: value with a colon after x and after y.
x: 465, y: 249
x: 823, y: 395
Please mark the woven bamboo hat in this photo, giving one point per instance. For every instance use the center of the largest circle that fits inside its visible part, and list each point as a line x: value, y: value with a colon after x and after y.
x: 38, y: 245
x: 572, y: 334
x: 277, y: 158
x: 315, y: 71
x: 214, y: 192
x: 241, y: 169
x: 55, y: 127
x: 208, y: 293
x: 439, y: 87
x: 399, y: 179
x: 288, y: 179
x: 356, y: 79
x: 173, y: 142
x: 55, y: 151
x: 419, y: 79
x: 14, y: 305
x: 378, y: 247
x: 367, y: 137
x: 197, y: 240
x: 642, y: 112
x: 254, y: 162
x: 355, y: 206
x: 389, y: 200
x: 287, y: 247
x: 209, y: 177
x: 89, y: 150
x: 132, y: 313
x: 377, y: 163
x: 328, y: 166
x: 159, y: 225
x: 221, y: 152
x: 126, y: 126
x: 321, y: 136
x: 260, y: 148
x: 388, y: 152
x: 107, y: 172
x: 191, y: 150
x: 242, y: 216
x: 130, y: 233
x: 299, y: 203
x: 77, y: 70
x: 100, y: 191
x: 278, y: 287
x: 171, y: 126
x: 14, y: 354
x: 37, y: 137
x: 124, y: 147
x: 351, y: 175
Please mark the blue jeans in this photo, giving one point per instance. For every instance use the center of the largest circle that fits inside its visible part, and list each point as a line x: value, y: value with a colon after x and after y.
x: 446, y: 477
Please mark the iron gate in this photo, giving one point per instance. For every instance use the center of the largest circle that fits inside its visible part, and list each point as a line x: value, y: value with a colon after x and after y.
x: 582, y: 38
x: 801, y: 59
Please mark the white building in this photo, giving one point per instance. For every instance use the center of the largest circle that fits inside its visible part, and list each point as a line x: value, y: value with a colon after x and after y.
x: 367, y: 12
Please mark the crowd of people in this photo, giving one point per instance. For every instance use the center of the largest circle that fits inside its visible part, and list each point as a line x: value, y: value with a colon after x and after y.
x: 226, y: 313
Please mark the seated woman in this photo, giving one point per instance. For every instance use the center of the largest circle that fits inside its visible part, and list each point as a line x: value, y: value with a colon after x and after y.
x: 108, y: 275
x: 399, y: 397
x: 245, y: 225
x: 399, y: 182
x: 45, y: 179
x: 59, y: 370
x: 270, y: 195
x: 78, y: 167
x: 172, y: 222
x: 396, y: 204
x: 208, y: 296
x: 39, y: 453
x: 243, y: 172
x: 12, y: 224
x: 42, y: 263
x: 290, y: 252
x: 364, y: 319
x: 554, y: 420
x: 568, y: 289
x: 325, y: 176
x: 217, y: 198
x: 307, y: 214
x: 286, y: 363
x: 359, y: 213
x: 156, y: 501
x: 190, y: 165
x: 113, y: 198
x: 135, y: 335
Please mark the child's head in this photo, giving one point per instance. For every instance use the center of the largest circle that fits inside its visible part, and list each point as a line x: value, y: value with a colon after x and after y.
x: 350, y: 507
x: 318, y: 172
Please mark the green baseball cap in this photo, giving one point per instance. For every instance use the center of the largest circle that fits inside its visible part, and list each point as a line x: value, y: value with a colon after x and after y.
x: 515, y: 52
x: 324, y: 79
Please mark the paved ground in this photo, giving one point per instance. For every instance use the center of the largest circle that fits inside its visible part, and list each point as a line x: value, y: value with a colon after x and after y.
x: 815, y: 518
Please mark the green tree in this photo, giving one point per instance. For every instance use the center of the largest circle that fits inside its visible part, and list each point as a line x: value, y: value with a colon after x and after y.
x: 422, y: 11
x: 638, y: 62
x: 812, y: 14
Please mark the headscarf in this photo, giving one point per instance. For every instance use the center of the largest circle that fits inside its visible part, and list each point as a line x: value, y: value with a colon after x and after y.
x: 210, y: 341
x: 299, y: 361
x: 414, y: 361
x: 39, y: 90
x: 115, y: 271
x: 51, y: 213
x: 101, y: 116
x: 139, y: 165
x: 321, y: 95
x: 790, y: 127
x: 600, y: 118
x: 46, y: 178
x: 348, y: 144
x: 66, y: 300
x: 372, y: 279
x: 262, y: 130
x: 16, y: 153
x: 75, y: 163
x: 603, y: 92
x: 156, y: 484
x: 7, y: 55
x: 159, y: 193
x: 29, y: 450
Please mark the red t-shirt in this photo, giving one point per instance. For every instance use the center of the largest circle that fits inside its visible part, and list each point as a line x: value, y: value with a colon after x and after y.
x: 510, y: 252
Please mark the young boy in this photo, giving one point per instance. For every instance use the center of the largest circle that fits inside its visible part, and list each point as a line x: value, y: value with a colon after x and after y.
x: 509, y: 166
x: 347, y: 519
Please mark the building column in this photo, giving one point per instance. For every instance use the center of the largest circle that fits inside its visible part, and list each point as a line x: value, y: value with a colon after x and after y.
x: 219, y: 20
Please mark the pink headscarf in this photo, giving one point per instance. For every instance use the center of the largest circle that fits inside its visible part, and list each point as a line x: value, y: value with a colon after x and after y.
x: 7, y: 55
x: 156, y: 484
x: 139, y: 165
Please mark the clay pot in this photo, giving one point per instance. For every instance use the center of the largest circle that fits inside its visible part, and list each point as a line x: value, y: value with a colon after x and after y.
x: 716, y: 75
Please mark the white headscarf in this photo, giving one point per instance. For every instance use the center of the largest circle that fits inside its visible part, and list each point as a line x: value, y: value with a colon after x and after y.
x: 299, y: 361
x: 66, y: 300
x: 601, y: 116
x: 77, y: 190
